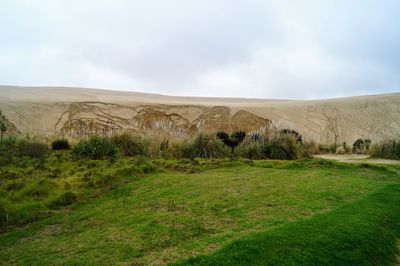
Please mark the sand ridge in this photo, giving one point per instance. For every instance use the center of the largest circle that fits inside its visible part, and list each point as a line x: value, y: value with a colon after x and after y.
x: 77, y: 112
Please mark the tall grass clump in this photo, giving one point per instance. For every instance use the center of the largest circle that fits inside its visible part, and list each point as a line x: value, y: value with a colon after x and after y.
x: 129, y: 145
x: 389, y: 149
x: 96, y: 148
x: 281, y: 145
x: 200, y: 146
x: 60, y: 144
x: 251, y: 148
x: 206, y: 146
x: 32, y: 148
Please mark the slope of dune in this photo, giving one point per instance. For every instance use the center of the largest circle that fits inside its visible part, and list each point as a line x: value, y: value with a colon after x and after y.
x: 79, y: 112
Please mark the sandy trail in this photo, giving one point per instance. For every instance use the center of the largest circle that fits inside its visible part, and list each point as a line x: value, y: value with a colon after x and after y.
x: 355, y: 158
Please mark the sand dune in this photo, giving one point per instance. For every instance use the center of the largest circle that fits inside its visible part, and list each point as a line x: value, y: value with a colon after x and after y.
x: 78, y: 112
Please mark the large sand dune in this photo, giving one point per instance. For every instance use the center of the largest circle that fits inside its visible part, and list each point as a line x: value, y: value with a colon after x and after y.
x: 78, y: 112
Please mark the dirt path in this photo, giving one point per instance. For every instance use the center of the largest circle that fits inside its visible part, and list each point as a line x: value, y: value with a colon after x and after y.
x: 355, y: 158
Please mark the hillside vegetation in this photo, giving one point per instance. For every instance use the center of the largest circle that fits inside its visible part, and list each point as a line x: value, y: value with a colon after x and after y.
x: 61, y: 209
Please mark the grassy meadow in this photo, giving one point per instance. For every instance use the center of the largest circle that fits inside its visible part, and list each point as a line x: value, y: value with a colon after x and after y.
x: 155, y: 211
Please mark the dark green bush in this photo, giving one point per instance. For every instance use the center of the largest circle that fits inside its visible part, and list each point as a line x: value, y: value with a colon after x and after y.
x: 202, y: 146
x: 129, y: 145
x: 63, y: 200
x: 251, y: 149
x: 206, y: 146
x: 96, y: 149
x: 285, y: 147
x: 388, y: 149
x: 327, y: 148
x: 231, y: 140
x: 361, y: 146
x: 60, y: 144
x: 32, y: 149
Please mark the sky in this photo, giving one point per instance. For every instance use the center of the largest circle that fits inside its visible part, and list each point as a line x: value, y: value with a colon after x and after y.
x: 299, y: 49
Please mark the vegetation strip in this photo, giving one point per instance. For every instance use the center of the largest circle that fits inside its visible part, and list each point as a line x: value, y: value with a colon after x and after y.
x: 361, y: 233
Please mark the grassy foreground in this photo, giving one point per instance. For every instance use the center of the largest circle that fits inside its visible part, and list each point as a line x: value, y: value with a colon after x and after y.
x: 362, y: 233
x: 158, y: 212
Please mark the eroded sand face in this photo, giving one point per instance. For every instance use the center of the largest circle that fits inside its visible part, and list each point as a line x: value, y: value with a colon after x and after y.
x: 77, y: 112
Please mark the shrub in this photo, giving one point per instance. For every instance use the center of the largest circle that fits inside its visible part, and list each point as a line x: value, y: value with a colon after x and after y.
x: 63, y: 200
x: 205, y: 146
x: 283, y: 147
x: 60, y: 144
x: 340, y: 150
x: 310, y: 148
x: 231, y: 140
x: 251, y: 148
x: 327, y: 148
x: 129, y: 145
x: 96, y: 149
x: 361, y: 145
x: 294, y: 133
x: 32, y: 149
x: 388, y: 149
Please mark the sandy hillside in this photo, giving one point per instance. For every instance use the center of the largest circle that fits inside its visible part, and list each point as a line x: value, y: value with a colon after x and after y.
x: 78, y: 112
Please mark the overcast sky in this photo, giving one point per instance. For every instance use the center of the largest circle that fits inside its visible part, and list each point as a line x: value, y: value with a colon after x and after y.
x: 271, y: 49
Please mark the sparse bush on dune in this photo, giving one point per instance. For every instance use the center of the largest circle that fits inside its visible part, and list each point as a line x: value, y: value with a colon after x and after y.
x: 274, y: 145
x: 206, y: 146
x: 327, y: 148
x: 361, y: 146
x: 389, y: 149
x: 32, y: 148
x: 96, y: 149
x: 129, y: 145
x: 251, y: 148
x: 156, y: 145
x: 310, y: 148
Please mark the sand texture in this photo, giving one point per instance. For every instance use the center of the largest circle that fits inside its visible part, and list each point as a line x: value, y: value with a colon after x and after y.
x: 80, y: 112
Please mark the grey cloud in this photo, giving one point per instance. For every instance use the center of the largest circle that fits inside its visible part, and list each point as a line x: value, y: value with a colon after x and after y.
x: 284, y: 49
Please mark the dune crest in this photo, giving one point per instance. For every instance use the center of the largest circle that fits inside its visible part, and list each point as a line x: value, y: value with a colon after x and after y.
x: 80, y: 112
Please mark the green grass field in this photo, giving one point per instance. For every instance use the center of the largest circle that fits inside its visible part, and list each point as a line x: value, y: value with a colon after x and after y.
x: 217, y: 212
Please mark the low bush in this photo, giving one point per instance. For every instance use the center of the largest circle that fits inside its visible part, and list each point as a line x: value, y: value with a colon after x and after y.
x: 96, y: 149
x: 129, y: 145
x: 32, y: 149
x: 206, y: 146
x: 361, y: 146
x: 284, y: 147
x: 327, y: 148
x: 281, y: 146
x: 60, y: 144
x: 388, y: 149
x: 251, y: 148
x: 310, y: 148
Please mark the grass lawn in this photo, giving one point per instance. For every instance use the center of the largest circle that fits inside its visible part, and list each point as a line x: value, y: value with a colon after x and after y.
x: 263, y: 212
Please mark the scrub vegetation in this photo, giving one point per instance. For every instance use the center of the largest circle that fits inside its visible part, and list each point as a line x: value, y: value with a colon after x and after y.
x: 118, y: 201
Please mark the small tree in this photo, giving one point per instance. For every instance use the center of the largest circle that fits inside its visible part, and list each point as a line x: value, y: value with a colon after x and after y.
x: 232, y: 140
